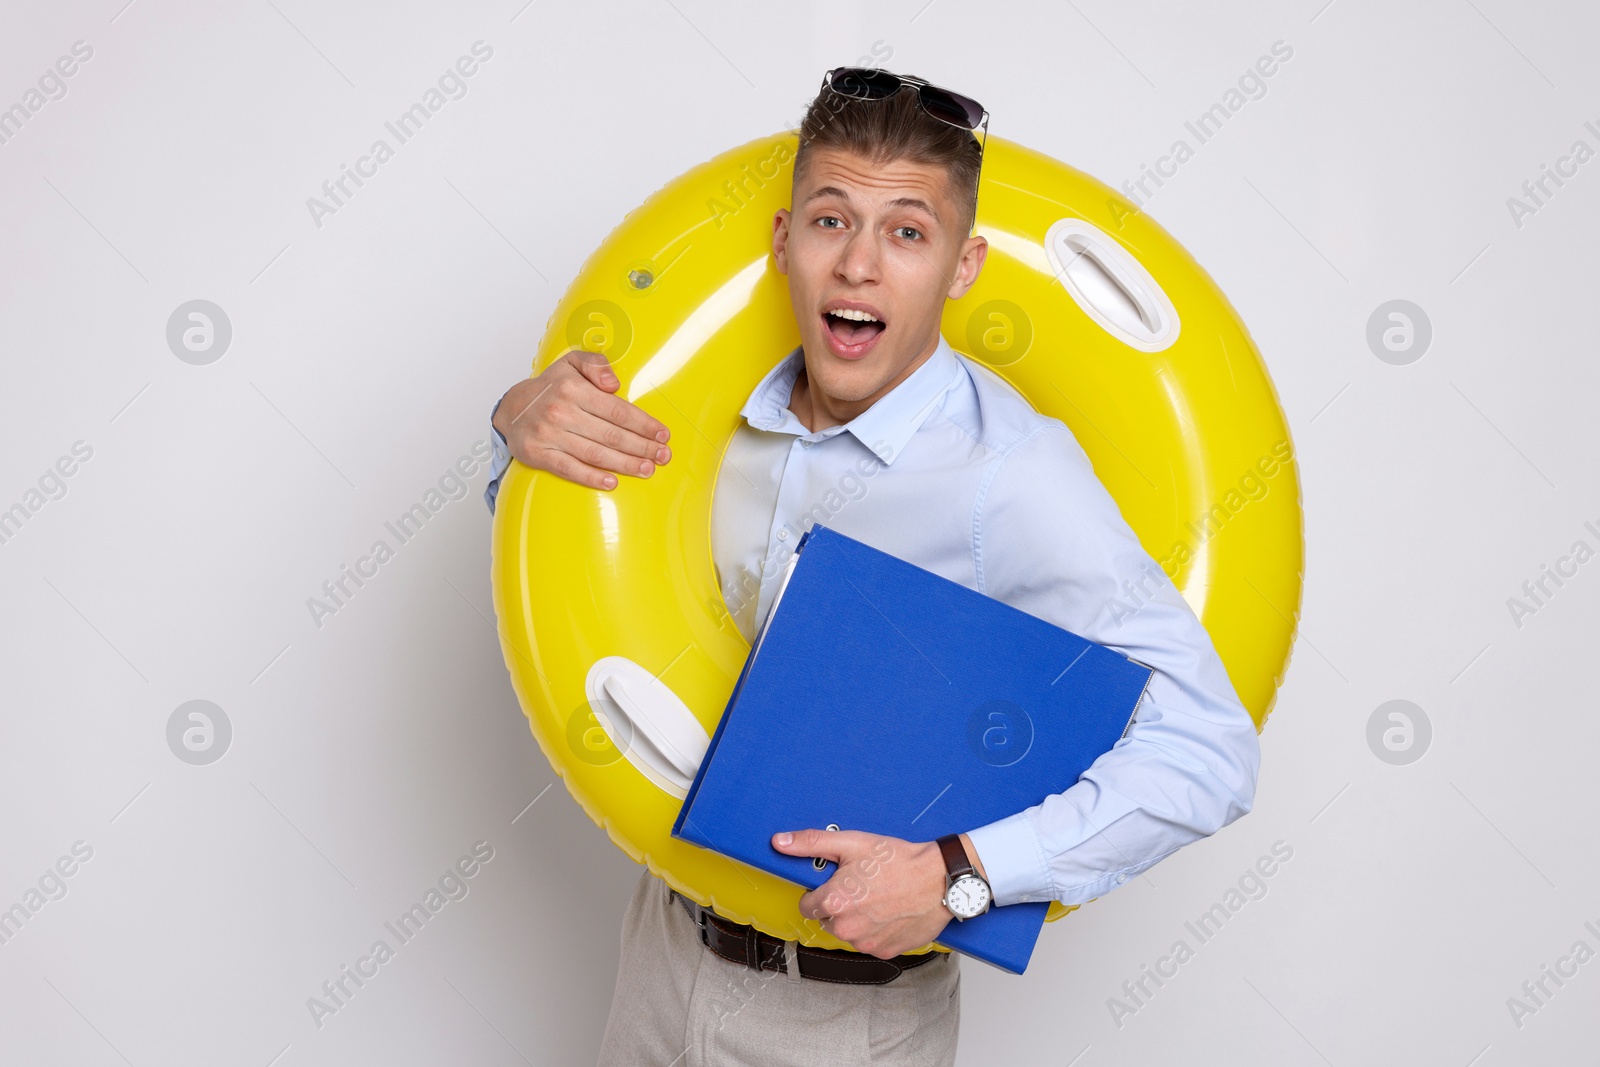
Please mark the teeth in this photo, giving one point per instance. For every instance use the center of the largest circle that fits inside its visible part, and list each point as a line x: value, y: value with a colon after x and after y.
x: 858, y: 316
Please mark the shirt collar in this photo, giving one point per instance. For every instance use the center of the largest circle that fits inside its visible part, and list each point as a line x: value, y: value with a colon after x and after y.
x: 884, y: 428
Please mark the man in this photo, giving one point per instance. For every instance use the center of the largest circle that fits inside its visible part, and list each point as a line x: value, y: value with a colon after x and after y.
x: 941, y: 463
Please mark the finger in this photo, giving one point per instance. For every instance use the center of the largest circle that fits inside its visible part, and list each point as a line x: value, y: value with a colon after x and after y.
x: 565, y: 466
x: 629, y: 416
x: 604, y: 431
x: 823, y: 903
x: 589, y: 451
x: 595, y: 367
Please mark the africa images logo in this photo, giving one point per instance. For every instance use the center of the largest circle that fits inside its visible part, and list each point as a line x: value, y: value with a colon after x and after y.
x: 452, y: 85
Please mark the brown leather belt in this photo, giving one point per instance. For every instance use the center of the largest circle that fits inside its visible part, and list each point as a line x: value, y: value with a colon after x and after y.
x: 738, y: 943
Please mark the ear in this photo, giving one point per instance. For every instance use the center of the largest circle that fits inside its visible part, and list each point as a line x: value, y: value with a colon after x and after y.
x: 780, y: 240
x: 973, y: 253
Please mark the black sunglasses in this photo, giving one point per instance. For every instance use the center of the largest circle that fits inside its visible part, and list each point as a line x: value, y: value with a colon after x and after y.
x: 870, y: 83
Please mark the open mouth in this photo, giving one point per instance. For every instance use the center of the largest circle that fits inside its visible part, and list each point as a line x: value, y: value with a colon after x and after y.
x: 852, y: 332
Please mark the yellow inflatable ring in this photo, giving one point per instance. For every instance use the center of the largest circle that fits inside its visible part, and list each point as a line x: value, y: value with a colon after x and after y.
x: 608, y: 601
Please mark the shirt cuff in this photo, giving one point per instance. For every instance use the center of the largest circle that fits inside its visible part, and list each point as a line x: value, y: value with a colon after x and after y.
x: 1013, y: 860
x: 499, y: 461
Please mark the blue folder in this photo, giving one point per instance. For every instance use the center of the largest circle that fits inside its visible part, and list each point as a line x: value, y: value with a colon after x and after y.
x: 879, y: 696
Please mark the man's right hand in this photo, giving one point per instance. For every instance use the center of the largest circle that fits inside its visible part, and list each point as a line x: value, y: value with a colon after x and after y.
x: 567, y: 421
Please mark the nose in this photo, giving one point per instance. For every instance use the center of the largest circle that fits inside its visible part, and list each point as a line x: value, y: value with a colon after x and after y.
x: 859, y: 258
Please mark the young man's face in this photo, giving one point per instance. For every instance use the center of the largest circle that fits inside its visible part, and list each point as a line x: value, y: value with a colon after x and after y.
x: 881, y: 238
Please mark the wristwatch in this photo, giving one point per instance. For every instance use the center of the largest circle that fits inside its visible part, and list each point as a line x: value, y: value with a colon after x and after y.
x: 966, y: 893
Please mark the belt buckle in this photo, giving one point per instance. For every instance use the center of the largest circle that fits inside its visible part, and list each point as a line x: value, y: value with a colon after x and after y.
x: 751, y: 939
x: 752, y: 949
x: 700, y: 921
x: 696, y: 913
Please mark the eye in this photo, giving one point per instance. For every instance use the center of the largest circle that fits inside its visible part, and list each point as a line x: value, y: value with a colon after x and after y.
x: 830, y: 218
x: 913, y: 232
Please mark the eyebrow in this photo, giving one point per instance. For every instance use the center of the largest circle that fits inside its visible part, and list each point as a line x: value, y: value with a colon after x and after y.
x: 899, y: 201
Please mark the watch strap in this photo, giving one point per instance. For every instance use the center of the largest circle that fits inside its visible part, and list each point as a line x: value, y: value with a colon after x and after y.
x: 956, y: 862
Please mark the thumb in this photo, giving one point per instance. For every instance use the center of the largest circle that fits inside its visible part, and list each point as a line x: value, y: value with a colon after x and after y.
x: 595, y: 367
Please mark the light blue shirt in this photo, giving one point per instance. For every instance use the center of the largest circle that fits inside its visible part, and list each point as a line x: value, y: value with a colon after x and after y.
x: 954, y: 471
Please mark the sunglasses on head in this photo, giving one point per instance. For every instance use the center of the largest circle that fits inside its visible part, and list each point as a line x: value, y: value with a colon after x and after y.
x: 870, y: 83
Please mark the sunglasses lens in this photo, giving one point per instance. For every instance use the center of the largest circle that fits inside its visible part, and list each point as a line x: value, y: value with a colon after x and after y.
x: 863, y: 83
x: 952, y: 107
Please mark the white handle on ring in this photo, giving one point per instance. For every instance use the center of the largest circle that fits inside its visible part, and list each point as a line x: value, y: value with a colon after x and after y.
x: 648, y: 723
x: 1111, y: 286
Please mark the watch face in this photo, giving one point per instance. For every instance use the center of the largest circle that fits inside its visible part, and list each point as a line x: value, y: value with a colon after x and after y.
x: 968, y: 896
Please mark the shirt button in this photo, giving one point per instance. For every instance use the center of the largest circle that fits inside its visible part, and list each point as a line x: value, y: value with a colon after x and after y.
x: 1121, y: 878
x: 783, y: 535
x: 807, y: 444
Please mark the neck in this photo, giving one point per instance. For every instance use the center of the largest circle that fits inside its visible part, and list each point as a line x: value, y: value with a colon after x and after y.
x: 817, y: 410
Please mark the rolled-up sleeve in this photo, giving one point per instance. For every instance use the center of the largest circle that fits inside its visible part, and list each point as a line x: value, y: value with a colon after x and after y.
x: 1050, y: 540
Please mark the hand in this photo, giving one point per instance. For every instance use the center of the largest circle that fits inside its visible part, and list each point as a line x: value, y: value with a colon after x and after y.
x: 565, y: 420
x: 887, y: 897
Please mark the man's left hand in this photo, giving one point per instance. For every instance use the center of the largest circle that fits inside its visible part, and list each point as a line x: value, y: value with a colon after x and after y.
x: 887, y: 897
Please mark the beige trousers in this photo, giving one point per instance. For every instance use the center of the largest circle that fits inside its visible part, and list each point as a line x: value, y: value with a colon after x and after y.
x: 678, y: 1004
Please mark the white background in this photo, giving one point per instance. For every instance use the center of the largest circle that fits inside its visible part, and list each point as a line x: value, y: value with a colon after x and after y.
x: 370, y: 753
